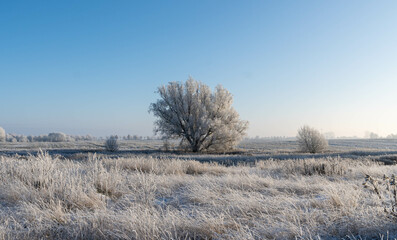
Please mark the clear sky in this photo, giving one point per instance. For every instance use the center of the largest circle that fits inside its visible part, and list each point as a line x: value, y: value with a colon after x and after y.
x: 92, y: 67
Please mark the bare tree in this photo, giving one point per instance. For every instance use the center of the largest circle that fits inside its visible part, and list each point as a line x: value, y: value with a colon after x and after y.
x: 2, y: 135
x: 311, y: 140
x: 202, y: 119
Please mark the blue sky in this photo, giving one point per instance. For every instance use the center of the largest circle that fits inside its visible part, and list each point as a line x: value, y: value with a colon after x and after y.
x: 92, y: 67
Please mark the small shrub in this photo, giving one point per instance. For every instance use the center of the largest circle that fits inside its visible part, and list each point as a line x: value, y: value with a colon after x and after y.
x: 311, y: 140
x: 111, y: 144
x: 167, y: 145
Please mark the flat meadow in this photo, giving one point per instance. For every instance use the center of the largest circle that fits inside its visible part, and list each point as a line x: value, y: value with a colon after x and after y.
x: 266, y: 189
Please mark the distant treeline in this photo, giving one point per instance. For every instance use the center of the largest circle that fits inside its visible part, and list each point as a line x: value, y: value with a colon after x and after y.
x: 62, y: 137
x: 51, y: 137
x: 270, y: 138
x: 369, y: 135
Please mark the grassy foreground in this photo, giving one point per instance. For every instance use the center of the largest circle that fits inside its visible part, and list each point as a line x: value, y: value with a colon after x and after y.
x: 43, y: 197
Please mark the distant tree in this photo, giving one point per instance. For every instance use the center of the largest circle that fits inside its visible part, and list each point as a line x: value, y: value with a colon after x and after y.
x: 88, y: 137
x: 57, y: 137
x: 373, y: 135
x: 392, y: 136
x: 21, y: 138
x: 2, y: 135
x: 311, y: 140
x: 202, y: 119
x: 111, y: 144
x: 329, y: 135
x: 12, y: 139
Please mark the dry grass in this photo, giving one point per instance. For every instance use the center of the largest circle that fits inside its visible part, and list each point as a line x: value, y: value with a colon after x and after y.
x: 165, y: 166
x: 158, y: 198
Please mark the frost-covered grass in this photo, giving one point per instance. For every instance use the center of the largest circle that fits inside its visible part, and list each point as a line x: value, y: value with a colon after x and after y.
x: 255, y: 146
x: 145, y: 197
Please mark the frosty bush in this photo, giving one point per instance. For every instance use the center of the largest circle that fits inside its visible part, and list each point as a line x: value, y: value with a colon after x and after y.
x: 111, y: 144
x: 2, y: 135
x: 202, y: 119
x: 311, y: 140
x: 57, y: 137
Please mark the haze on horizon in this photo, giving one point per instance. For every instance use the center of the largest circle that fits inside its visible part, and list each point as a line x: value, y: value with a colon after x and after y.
x: 92, y: 67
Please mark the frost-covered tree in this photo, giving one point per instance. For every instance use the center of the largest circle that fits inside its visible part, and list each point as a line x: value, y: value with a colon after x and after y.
x: 311, y: 140
x: 57, y: 137
x: 2, y: 135
x: 202, y: 119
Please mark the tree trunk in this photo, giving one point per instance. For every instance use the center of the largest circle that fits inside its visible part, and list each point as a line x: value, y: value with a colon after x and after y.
x: 195, y: 147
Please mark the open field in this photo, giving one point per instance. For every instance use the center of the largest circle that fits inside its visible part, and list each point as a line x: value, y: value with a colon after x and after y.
x: 268, y: 192
x: 249, y: 151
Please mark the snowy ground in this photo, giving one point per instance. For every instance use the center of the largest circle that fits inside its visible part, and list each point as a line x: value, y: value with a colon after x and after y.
x: 144, y: 193
x: 249, y: 151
